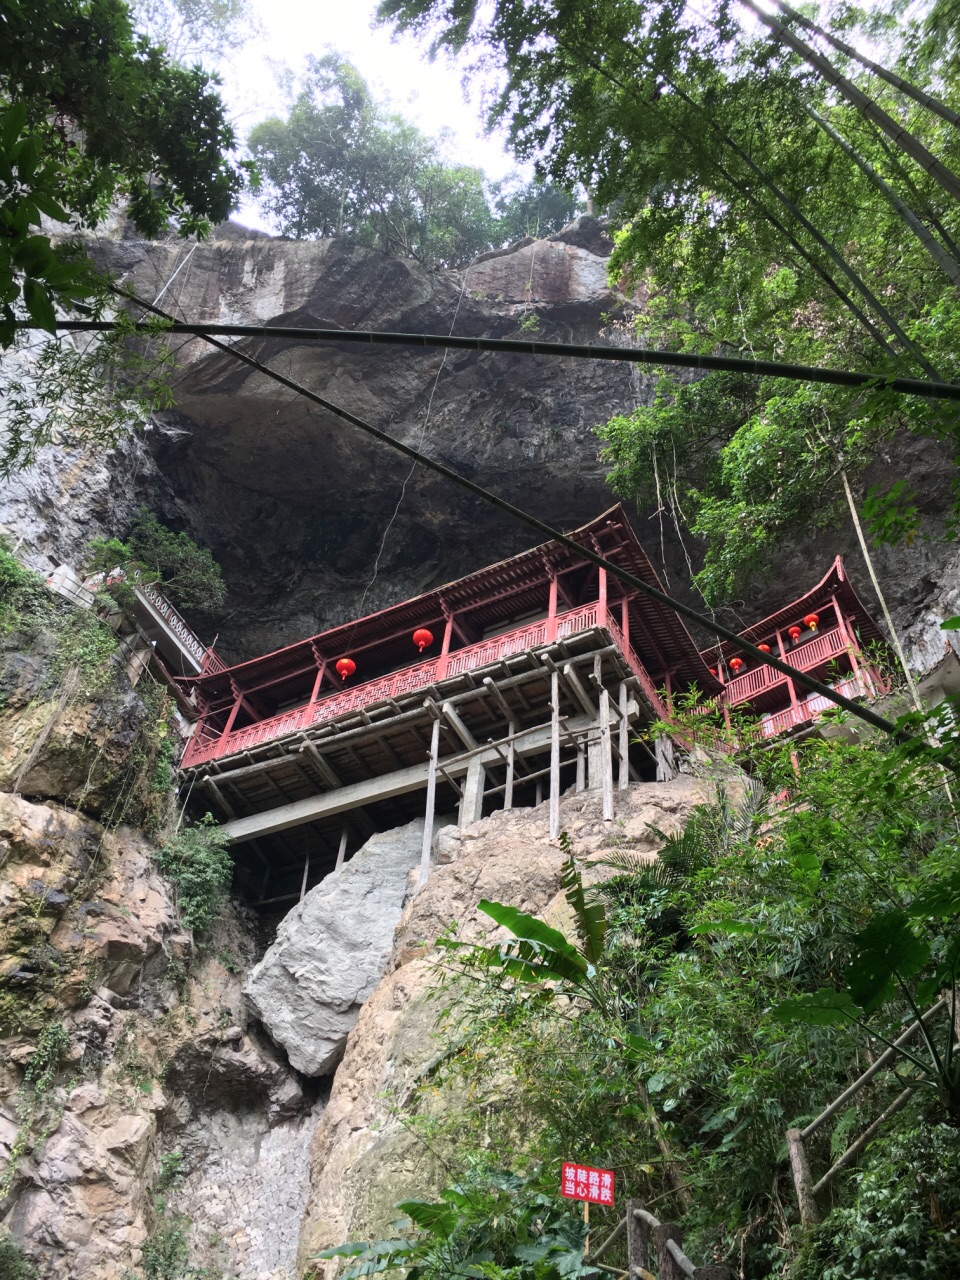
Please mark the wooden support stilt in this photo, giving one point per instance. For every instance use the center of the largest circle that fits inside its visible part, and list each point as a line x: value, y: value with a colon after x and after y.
x: 554, y: 755
x: 342, y: 851
x: 668, y: 1268
x: 511, y: 759
x: 306, y: 873
x: 431, y: 803
x: 581, y: 765
x: 606, y: 758
x: 539, y: 799
x: 624, y: 741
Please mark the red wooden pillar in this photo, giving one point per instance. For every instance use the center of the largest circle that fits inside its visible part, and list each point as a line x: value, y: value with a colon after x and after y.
x: 235, y: 709
x: 847, y: 632
x: 602, y: 599
x: 321, y: 672
x: 790, y: 685
x: 552, y: 608
x: 625, y: 619
x: 445, y: 646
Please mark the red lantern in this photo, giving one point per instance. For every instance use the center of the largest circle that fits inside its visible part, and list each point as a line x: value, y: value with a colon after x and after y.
x: 811, y: 621
x: 764, y: 648
x: 713, y: 671
x: 422, y: 638
x: 735, y: 665
x: 794, y: 633
x: 346, y: 667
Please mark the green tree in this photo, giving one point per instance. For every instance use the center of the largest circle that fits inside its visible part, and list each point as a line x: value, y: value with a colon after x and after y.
x: 95, y: 113
x: 155, y: 554
x: 662, y: 1043
x: 198, y: 30
x: 340, y: 165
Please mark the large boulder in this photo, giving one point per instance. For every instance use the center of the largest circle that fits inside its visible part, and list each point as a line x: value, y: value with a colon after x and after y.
x: 331, y: 951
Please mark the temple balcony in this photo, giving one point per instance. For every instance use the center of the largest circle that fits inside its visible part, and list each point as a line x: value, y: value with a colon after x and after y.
x: 446, y: 669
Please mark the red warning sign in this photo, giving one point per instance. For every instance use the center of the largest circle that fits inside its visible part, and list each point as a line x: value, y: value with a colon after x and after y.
x: 582, y: 1182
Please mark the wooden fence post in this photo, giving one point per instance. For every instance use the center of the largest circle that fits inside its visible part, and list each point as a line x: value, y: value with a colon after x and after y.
x: 802, y: 1178
x: 667, y: 1266
x: 638, y: 1243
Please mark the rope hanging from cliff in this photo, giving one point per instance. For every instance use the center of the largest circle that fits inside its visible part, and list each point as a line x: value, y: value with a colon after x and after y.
x: 554, y: 535
x: 520, y: 346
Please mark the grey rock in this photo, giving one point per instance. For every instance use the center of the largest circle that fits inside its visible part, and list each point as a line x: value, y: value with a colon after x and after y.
x: 331, y: 951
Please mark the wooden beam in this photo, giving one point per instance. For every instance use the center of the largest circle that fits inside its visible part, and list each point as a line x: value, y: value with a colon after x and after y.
x: 342, y: 851
x: 323, y: 768
x: 463, y: 733
x: 371, y: 790
x: 306, y: 873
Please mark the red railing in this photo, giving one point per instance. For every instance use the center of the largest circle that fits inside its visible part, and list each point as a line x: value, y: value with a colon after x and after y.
x: 202, y: 746
x: 638, y: 669
x: 827, y: 645
x: 815, y: 704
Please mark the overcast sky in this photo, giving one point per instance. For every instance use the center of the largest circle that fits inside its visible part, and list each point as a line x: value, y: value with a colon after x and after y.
x: 428, y: 93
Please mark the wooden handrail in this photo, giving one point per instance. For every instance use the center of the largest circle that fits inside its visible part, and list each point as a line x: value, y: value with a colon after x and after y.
x: 672, y: 1263
x: 807, y: 1189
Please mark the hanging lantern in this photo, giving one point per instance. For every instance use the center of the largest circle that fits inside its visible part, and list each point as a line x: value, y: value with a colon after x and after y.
x: 422, y: 638
x: 735, y: 665
x: 346, y: 667
x: 713, y: 672
x: 811, y: 621
x: 764, y: 648
x: 794, y: 633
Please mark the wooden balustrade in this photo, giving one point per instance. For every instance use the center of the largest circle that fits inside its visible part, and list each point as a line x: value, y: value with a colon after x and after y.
x: 397, y: 683
x: 806, y: 656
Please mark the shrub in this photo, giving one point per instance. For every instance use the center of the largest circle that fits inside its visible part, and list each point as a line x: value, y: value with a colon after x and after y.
x: 23, y: 593
x: 13, y: 1265
x: 186, y: 572
x: 197, y: 862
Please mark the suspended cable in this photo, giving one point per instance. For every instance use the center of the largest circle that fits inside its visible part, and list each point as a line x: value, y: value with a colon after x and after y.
x: 519, y: 346
x: 554, y: 535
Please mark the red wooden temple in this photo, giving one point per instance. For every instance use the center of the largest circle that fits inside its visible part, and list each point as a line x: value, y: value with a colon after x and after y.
x: 518, y: 682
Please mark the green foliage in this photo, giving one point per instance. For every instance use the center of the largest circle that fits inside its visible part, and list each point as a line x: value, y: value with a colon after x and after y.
x: 340, y: 165
x: 13, y: 1265
x: 490, y: 1224
x: 97, y: 112
x: 37, y: 1108
x: 24, y: 598
x: 904, y: 1221
x: 675, y: 1064
x: 759, y: 211
x: 88, y: 645
x: 56, y: 394
x: 196, y: 860
x: 166, y: 1251
x: 155, y: 554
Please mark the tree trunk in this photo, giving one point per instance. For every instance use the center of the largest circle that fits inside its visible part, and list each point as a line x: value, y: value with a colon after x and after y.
x: 869, y: 109
x: 890, y: 77
x: 865, y: 292
x: 868, y: 559
x: 948, y: 265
